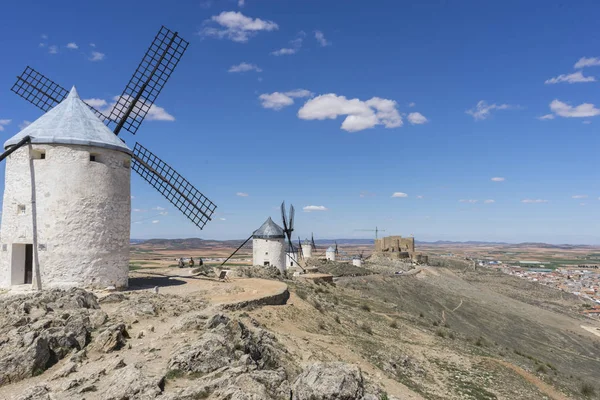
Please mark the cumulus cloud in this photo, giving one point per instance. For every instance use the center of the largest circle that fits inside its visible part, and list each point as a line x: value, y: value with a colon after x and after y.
x: 587, y: 62
x: 155, y: 113
x: 468, y: 201
x: 575, y: 77
x: 321, y: 39
x: 546, y: 117
x: 399, y: 194
x: 241, y: 194
x: 223, y: 219
x: 241, y: 3
x: 92, y: 44
x: 244, y: 67
x: 412, y: 104
x: 483, y: 110
x: 579, y: 196
x: 53, y: 49
x: 498, y: 179
x: 416, y: 118
x: 155, y: 221
x: 534, y: 201
x: 97, y: 56
x: 44, y: 36
x: 23, y: 124
x: 359, y: 114
x: 236, y: 26
x: 284, y: 51
x: 489, y: 201
x: 581, y: 111
x: 278, y: 100
x: 72, y: 46
x: 96, y: 103
x: 3, y: 123
x: 314, y: 208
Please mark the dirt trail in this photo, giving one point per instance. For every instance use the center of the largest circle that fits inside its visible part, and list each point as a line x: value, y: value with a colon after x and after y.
x: 534, y: 380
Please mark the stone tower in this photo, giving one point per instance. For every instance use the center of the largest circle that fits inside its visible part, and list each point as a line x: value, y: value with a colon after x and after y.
x: 268, y: 245
x: 67, y: 203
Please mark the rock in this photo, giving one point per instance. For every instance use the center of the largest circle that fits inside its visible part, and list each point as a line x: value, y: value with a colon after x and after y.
x: 329, y: 381
x: 66, y: 370
x: 113, y: 338
x: 140, y: 334
x: 39, y: 392
x: 190, y: 322
x: 131, y: 383
x: 113, y: 298
x: 208, y: 354
x: 98, y: 318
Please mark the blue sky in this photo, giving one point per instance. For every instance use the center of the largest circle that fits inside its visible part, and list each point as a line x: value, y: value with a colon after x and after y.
x: 428, y: 99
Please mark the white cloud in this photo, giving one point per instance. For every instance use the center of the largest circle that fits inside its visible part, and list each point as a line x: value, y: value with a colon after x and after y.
x: 587, y: 122
x: 416, y: 118
x: 399, y: 194
x: 498, y: 179
x: 366, y: 193
x: 582, y: 204
x: 92, y: 44
x: 164, y: 213
x: 419, y: 197
x: 321, y: 39
x: 534, y: 201
x: 359, y: 114
x: 42, y: 45
x: 53, y: 49
x: 97, y: 56
x: 96, y: 103
x: 72, y: 46
x: 579, y: 196
x: 315, y: 208
x: 412, y: 104
x: 483, y: 110
x: 241, y: 3
x: 575, y: 77
x: 284, y: 52
x: 236, y: 26
x: 581, y: 111
x: 158, y: 208
x: 223, y: 219
x: 587, y: 62
x: 489, y: 201
x: 545, y: 117
x: 44, y: 36
x: 23, y: 124
x: 138, y: 210
x: 155, y: 113
x: 241, y: 194
x: 155, y: 221
x: 132, y: 197
x: 3, y: 123
x: 244, y: 67
x: 278, y: 100
x: 468, y: 201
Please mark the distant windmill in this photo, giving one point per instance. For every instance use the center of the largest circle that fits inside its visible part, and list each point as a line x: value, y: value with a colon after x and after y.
x: 376, y: 230
x: 129, y: 112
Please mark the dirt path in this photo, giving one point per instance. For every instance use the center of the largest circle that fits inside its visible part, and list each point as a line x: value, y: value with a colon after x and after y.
x: 592, y: 329
x: 534, y: 380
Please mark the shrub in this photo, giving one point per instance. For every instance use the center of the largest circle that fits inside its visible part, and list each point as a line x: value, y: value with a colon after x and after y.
x: 337, y: 319
x: 394, y: 325
x: 301, y: 294
x: 322, y: 326
x: 318, y: 305
x: 365, y: 307
x: 587, y: 390
x: 480, y: 342
x: 421, y: 315
x: 451, y: 335
x: 435, y: 323
x: 367, y: 328
x: 541, y: 369
x: 441, y: 333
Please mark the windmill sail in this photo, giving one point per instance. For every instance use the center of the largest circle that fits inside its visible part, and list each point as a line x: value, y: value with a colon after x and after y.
x: 175, y: 188
x: 148, y: 80
x: 43, y: 92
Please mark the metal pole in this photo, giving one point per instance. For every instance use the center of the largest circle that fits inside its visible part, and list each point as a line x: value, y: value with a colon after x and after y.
x: 236, y: 250
x: 8, y: 152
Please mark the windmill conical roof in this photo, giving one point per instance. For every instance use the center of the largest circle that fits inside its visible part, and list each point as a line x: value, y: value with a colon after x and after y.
x: 330, y: 249
x: 70, y: 122
x: 269, y: 230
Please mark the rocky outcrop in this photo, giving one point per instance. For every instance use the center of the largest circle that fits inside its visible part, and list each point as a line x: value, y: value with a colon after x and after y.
x: 39, y: 329
x: 329, y: 381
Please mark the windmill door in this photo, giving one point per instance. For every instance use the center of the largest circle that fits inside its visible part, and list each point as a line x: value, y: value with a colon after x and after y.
x: 28, y: 263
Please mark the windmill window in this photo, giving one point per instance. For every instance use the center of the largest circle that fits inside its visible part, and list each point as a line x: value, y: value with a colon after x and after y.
x: 94, y: 158
x: 38, y: 155
x: 267, y: 264
x: 21, y: 209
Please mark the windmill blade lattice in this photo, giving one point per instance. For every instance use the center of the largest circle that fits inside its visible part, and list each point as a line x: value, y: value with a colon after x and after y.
x: 175, y: 188
x: 148, y: 80
x: 43, y: 92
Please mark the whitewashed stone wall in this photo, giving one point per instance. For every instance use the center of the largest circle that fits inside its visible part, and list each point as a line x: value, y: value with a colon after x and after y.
x: 306, y: 250
x: 357, y: 262
x: 271, y: 250
x: 81, y: 211
x: 330, y: 255
x: 291, y: 260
